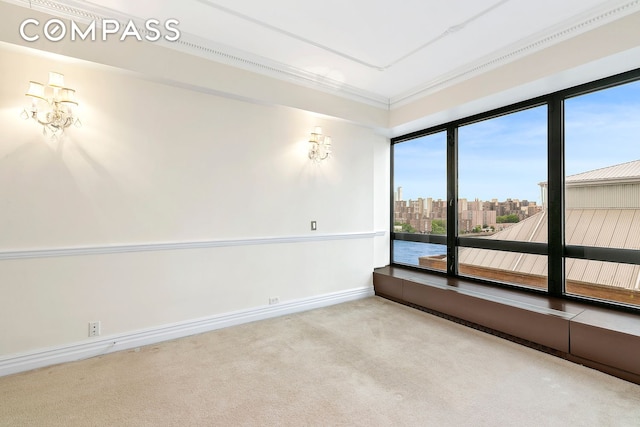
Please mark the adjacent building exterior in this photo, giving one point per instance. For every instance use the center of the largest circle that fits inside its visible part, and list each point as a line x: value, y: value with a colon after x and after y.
x: 602, y: 210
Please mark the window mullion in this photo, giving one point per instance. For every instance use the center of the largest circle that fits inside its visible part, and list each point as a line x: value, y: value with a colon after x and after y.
x: 554, y: 203
x: 452, y: 197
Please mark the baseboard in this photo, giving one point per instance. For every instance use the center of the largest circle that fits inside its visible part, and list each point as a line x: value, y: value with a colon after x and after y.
x: 104, y: 345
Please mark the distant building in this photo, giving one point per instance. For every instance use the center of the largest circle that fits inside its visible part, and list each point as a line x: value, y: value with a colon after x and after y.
x: 420, y: 213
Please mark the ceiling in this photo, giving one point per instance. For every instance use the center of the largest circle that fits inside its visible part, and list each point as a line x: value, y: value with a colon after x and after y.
x: 380, y: 51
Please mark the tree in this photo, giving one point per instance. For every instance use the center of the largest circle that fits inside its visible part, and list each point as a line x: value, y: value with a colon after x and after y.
x: 406, y: 228
x: 439, y: 226
x: 507, y: 219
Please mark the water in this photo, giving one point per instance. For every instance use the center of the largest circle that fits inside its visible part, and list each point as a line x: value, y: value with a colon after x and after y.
x: 409, y: 252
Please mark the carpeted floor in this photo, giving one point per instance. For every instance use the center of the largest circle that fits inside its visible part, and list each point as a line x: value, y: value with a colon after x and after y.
x: 365, y: 363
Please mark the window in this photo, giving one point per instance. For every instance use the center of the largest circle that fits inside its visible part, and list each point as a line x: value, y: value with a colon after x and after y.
x: 501, y: 163
x: 419, y: 201
x: 602, y: 191
x: 546, y: 191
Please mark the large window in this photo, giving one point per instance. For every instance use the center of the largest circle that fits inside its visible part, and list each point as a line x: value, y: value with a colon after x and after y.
x: 543, y: 194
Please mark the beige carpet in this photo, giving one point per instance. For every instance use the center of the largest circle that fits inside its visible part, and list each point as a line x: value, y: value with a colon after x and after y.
x: 364, y: 363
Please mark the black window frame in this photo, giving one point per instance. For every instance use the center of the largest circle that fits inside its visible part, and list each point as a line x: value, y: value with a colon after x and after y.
x: 555, y: 248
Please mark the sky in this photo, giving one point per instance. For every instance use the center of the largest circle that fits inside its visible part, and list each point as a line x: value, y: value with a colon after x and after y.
x: 506, y: 157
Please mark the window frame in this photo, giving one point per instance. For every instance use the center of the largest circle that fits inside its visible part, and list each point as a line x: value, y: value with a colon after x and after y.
x: 555, y: 249
x: 413, y: 237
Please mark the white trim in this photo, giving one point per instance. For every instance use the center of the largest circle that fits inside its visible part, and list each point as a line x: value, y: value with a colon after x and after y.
x: 149, y: 247
x: 210, y: 50
x: 104, y: 345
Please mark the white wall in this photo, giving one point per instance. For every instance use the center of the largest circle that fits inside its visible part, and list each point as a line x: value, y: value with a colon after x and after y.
x: 155, y: 164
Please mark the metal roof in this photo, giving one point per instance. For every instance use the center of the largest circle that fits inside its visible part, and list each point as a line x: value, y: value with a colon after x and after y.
x: 625, y: 172
x: 616, y: 225
x: 613, y: 228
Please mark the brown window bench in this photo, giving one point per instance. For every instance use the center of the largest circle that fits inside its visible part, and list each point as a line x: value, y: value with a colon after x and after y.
x: 601, y: 338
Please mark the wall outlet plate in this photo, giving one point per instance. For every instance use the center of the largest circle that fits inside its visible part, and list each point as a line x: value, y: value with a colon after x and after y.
x: 94, y: 328
x: 314, y: 225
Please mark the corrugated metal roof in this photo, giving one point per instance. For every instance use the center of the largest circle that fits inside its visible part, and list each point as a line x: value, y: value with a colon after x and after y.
x: 532, y: 229
x: 624, y: 171
x: 633, y: 238
x: 615, y: 225
x: 616, y: 228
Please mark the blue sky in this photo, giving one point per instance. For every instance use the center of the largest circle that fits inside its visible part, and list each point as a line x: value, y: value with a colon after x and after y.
x: 506, y: 157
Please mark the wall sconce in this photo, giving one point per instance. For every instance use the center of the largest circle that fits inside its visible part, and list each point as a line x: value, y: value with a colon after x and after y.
x: 319, y: 146
x: 52, y: 106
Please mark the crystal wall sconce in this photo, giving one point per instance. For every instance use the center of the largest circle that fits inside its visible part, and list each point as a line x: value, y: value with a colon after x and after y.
x: 52, y: 106
x: 319, y: 146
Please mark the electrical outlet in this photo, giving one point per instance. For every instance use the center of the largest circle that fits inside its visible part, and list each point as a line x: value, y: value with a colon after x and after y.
x: 314, y: 225
x: 94, y: 328
x: 274, y: 300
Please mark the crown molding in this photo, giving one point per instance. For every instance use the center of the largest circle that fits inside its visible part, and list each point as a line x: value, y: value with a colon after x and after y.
x: 538, y: 42
x: 193, y: 45
x: 207, y: 49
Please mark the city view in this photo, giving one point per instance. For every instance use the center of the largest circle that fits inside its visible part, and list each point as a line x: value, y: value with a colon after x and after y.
x: 429, y: 216
x: 477, y: 218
